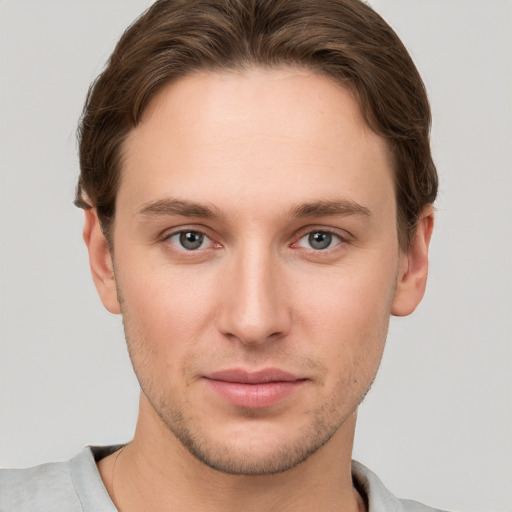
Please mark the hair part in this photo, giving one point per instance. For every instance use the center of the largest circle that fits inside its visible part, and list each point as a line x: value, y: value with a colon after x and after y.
x: 344, y: 40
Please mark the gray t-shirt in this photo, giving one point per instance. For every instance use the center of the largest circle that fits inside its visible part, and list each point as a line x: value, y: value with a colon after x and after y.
x: 76, y: 486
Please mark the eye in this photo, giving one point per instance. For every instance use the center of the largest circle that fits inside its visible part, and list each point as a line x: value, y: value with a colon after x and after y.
x: 189, y: 240
x: 319, y: 240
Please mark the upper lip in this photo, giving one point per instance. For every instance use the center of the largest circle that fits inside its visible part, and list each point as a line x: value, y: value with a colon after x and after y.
x: 257, y: 377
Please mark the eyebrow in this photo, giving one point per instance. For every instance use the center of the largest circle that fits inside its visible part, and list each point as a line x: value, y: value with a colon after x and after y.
x: 340, y: 207
x: 169, y: 207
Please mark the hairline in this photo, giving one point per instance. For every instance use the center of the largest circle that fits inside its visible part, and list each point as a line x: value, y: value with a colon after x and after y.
x: 245, y: 66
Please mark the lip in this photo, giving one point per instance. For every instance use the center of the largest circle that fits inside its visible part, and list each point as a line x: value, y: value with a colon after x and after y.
x: 258, y: 377
x: 254, y: 390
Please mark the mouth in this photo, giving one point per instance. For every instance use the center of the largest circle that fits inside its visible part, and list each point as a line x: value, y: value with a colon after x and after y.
x: 254, y: 390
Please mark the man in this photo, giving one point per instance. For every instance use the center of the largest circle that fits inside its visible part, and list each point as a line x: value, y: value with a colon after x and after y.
x: 257, y: 185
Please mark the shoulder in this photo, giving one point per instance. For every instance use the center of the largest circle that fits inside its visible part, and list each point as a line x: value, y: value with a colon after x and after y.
x: 71, y: 486
x: 378, y: 497
x: 45, y: 487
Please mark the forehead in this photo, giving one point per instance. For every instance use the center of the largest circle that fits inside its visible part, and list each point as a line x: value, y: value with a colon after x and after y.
x: 277, y: 134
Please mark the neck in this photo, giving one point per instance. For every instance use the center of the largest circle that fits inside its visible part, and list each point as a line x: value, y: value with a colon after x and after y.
x: 155, y: 472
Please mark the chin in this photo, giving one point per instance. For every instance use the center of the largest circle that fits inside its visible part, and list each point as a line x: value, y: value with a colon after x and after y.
x: 251, y: 460
x: 254, y: 445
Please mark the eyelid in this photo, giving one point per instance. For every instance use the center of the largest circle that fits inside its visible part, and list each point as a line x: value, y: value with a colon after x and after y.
x: 169, y: 233
x: 333, y: 238
x: 342, y: 234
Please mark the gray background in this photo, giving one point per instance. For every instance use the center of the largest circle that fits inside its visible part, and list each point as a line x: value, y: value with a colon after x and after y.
x: 437, y: 425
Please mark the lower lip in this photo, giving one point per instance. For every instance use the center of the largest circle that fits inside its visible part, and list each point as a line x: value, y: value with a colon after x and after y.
x: 254, y: 396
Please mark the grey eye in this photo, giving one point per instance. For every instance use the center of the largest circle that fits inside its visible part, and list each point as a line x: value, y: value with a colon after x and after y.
x: 319, y: 240
x: 189, y: 240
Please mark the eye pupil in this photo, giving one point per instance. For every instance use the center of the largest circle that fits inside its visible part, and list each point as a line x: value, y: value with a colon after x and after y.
x: 191, y: 240
x: 320, y: 240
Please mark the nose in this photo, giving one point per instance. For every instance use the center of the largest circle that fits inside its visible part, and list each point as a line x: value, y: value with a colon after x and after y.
x: 255, y: 307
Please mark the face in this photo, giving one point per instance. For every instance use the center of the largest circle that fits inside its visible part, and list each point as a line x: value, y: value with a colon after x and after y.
x: 256, y: 263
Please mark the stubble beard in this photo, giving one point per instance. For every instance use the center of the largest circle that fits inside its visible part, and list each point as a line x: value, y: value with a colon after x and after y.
x: 226, y: 459
x: 327, y: 418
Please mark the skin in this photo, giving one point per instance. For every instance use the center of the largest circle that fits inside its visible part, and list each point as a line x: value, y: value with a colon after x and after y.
x: 268, y: 158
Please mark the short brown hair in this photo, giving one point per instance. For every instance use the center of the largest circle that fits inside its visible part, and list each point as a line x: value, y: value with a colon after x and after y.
x: 342, y: 39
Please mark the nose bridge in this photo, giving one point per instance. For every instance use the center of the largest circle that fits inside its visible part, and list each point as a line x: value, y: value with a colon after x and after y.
x: 254, y: 309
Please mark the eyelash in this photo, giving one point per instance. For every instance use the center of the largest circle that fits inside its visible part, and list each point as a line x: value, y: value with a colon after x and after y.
x: 331, y: 237
x: 183, y: 232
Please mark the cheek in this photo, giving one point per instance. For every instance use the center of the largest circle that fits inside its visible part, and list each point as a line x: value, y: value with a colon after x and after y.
x: 165, y: 309
x: 347, y: 316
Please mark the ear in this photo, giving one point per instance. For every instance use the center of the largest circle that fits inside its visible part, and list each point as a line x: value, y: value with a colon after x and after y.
x: 100, y: 260
x: 412, y: 278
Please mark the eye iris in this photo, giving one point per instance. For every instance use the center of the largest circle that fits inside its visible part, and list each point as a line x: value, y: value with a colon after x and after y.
x: 320, y: 240
x: 191, y: 240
